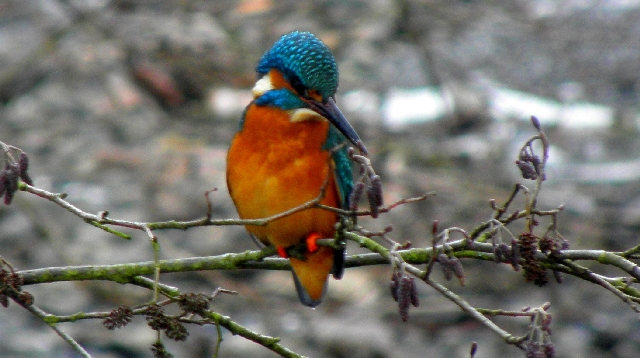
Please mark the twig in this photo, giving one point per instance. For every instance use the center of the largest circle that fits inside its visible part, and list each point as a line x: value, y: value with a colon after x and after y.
x: 43, y: 316
x: 585, y: 271
x: 272, y: 343
x: 503, y: 209
x: 384, y: 209
x: 465, y: 306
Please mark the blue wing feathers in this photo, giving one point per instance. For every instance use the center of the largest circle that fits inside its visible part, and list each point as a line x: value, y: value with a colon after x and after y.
x: 342, y: 165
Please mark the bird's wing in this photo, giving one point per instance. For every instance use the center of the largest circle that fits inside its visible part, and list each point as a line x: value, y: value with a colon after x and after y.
x: 343, y: 174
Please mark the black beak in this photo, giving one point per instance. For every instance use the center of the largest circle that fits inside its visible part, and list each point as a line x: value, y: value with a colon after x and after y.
x: 331, y: 112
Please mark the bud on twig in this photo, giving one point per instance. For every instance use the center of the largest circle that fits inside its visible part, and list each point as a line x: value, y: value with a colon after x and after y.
x: 23, y: 165
x: 394, y: 283
x: 404, y: 297
x: 3, y: 187
x: 536, y: 123
x: 558, y: 276
x: 526, y: 170
x: 10, y: 182
x: 415, y: 300
x: 355, y: 196
x: 447, y: 269
x: 374, y: 195
x: 457, y: 269
x: 474, y: 349
x: 515, y: 255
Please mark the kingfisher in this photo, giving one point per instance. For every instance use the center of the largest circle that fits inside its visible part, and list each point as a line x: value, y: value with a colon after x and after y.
x: 290, y: 149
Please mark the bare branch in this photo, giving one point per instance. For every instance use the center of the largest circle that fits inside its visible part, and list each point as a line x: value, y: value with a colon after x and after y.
x: 45, y: 318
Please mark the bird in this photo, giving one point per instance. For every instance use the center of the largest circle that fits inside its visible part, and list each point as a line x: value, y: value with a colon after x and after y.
x: 291, y: 147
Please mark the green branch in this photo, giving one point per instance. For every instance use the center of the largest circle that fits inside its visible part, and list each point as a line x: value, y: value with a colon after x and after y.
x: 128, y: 273
x: 272, y: 343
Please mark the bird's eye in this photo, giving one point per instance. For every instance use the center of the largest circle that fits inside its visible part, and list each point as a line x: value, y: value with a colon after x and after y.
x: 298, y: 86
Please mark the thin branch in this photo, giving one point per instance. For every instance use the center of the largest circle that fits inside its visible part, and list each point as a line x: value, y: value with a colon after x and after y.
x: 585, y: 271
x: 465, y: 306
x: 131, y: 272
x: 384, y: 209
x: 43, y: 316
x: 500, y: 312
x: 499, y: 211
x: 272, y: 343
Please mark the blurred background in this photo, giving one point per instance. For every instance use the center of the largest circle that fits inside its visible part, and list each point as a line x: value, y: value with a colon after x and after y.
x: 129, y: 106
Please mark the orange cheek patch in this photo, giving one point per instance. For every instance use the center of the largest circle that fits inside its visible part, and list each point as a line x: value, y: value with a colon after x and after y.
x: 278, y: 80
x: 313, y: 94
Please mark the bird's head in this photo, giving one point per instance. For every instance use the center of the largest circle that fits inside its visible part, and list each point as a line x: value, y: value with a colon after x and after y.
x: 299, y: 74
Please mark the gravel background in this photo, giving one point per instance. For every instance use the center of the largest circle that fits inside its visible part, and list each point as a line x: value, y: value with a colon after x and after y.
x: 129, y: 106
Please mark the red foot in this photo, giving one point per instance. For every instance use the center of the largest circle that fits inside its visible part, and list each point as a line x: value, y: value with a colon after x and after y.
x: 282, y: 252
x: 312, y: 245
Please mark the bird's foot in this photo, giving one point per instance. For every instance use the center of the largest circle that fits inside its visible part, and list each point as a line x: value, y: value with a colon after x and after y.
x: 282, y: 252
x: 312, y: 245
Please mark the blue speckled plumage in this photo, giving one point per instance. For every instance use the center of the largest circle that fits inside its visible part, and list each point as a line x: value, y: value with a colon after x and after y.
x: 301, y: 56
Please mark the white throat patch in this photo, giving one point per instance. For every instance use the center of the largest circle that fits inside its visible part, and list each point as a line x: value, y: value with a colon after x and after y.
x: 304, y: 114
x: 263, y: 85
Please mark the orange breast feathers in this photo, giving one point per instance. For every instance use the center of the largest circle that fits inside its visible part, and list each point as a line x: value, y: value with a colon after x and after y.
x: 274, y: 165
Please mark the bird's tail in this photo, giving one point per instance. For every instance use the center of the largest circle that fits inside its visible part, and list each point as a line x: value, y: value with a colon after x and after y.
x: 310, y: 276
